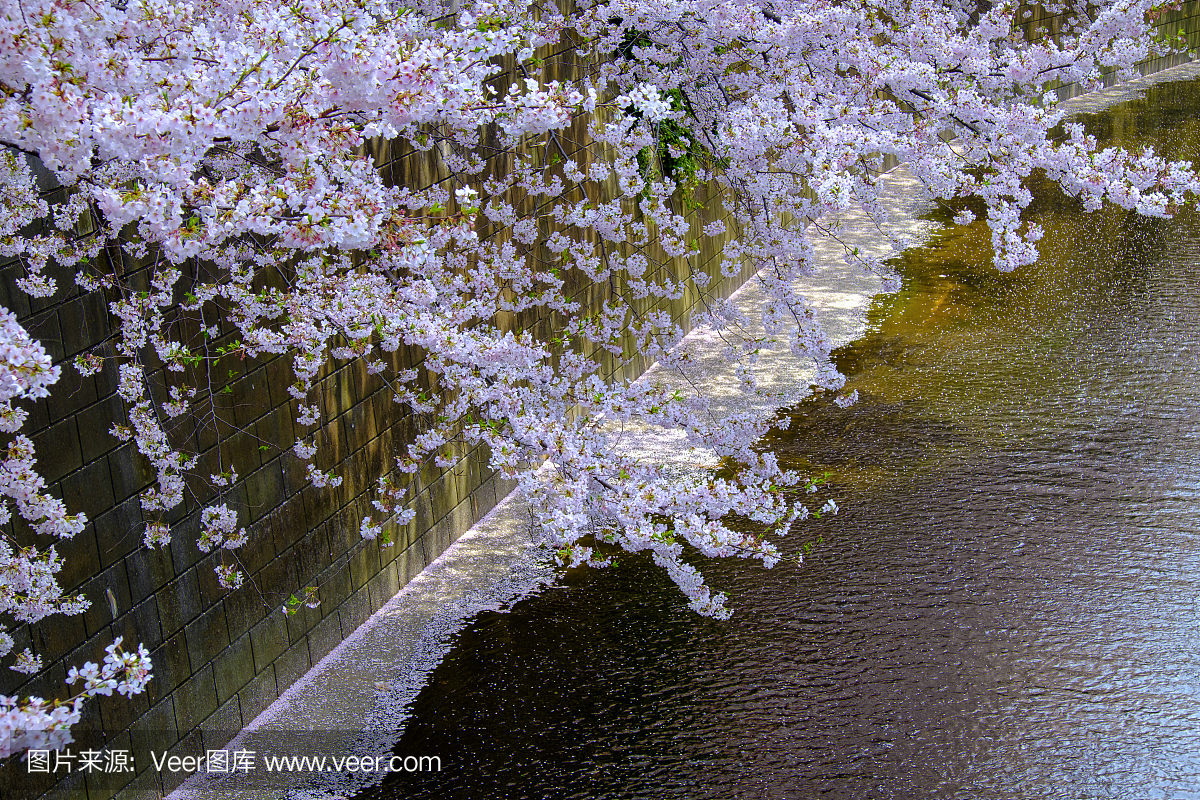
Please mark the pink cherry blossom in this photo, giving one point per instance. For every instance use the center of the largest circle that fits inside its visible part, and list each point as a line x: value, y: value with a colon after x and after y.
x: 232, y: 133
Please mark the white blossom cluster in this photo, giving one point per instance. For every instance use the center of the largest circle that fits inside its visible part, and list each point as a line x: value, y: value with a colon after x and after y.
x: 29, y: 591
x: 35, y: 723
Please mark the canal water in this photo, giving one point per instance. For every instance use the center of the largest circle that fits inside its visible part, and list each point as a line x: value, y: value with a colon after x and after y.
x: 1008, y: 605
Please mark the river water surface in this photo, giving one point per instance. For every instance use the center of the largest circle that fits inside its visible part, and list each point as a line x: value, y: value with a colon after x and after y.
x: 1008, y: 605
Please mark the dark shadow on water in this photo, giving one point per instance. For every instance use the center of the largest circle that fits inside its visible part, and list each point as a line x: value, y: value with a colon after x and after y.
x: 872, y: 431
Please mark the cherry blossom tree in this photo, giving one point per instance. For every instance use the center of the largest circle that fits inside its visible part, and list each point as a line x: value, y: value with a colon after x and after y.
x: 232, y: 134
